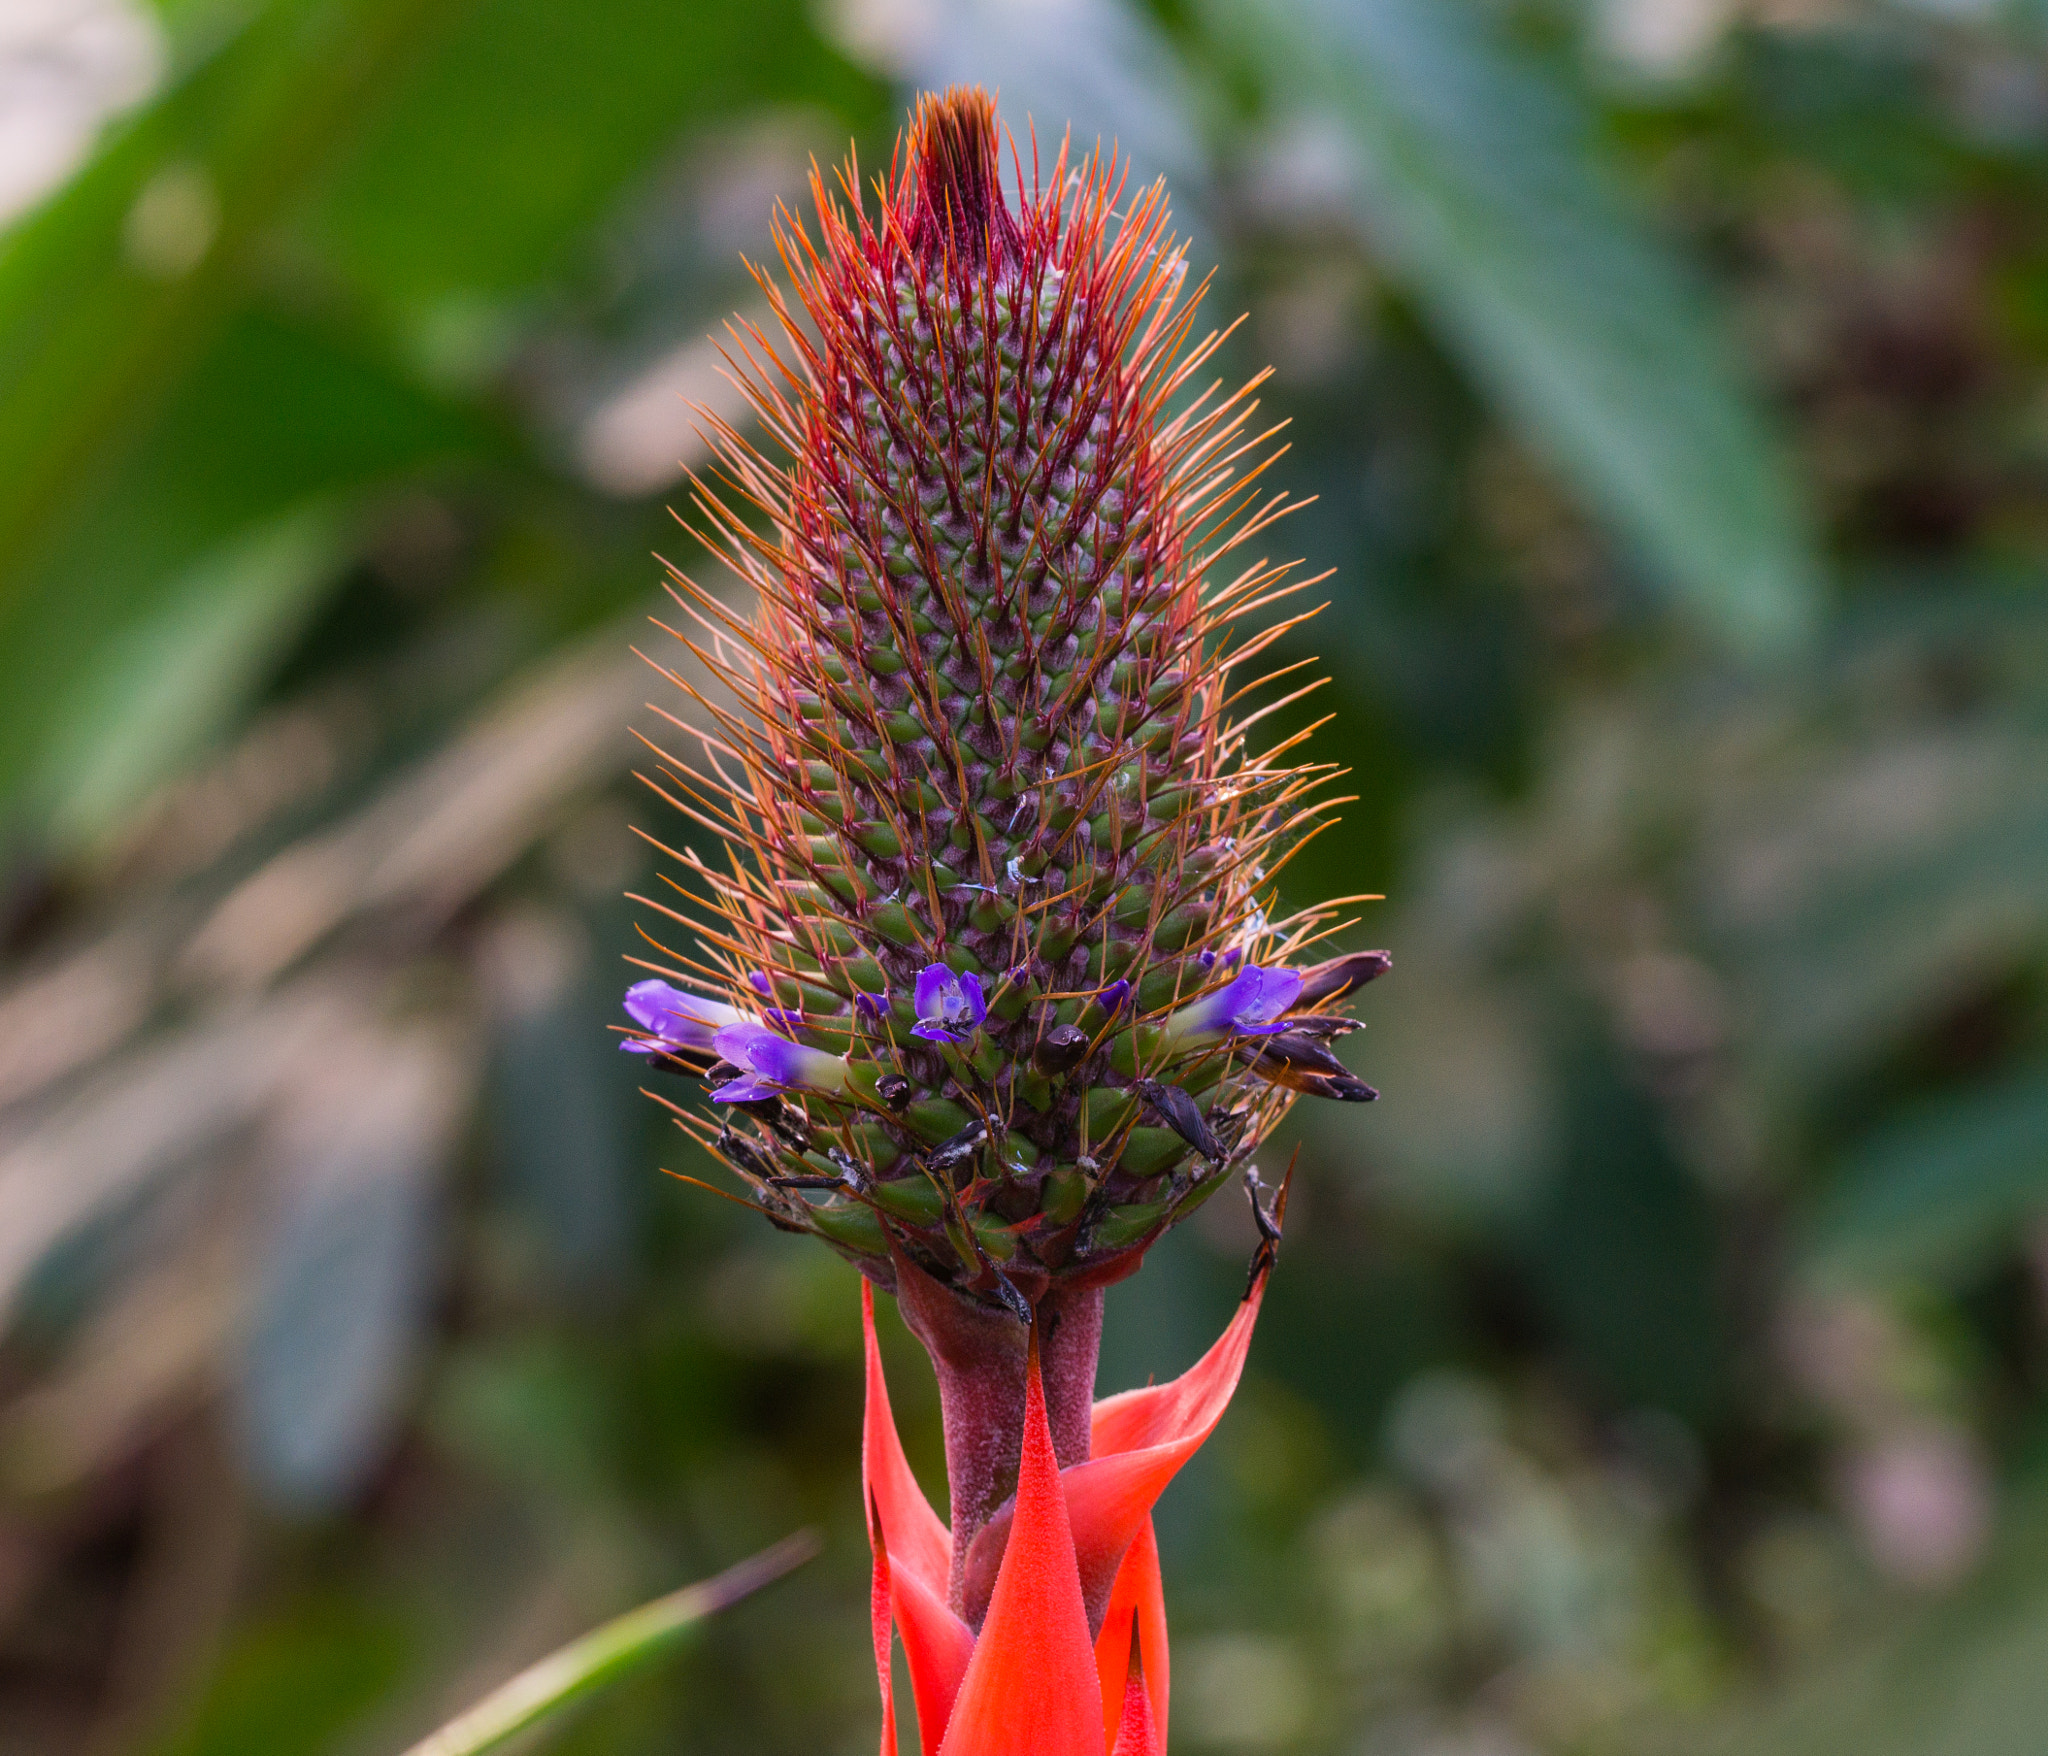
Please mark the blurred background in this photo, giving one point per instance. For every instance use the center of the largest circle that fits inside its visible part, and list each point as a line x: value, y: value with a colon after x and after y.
x: 1661, y: 1367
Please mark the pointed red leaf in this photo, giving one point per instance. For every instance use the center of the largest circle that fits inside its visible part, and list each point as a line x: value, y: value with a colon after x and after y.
x: 1191, y: 1404
x: 918, y: 1541
x: 1140, y: 1440
x: 914, y: 1553
x: 937, y: 1645
x: 878, y: 1616
x: 1031, y: 1688
x: 1139, y: 1597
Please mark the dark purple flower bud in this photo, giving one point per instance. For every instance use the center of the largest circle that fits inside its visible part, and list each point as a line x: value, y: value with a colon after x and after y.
x: 1336, y: 978
x: 948, y: 1005
x: 770, y: 1065
x: 675, y: 1019
x: 1302, y: 1064
x: 1114, y: 998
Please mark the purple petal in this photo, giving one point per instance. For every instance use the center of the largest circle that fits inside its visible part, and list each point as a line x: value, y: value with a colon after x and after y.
x: 934, y: 983
x: 674, y: 1015
x: 1113, y: 998
x: 777, y: 1063
x: 1278, y: 989
x: 742, y: 1091
x: 756, y: 1049
x: 648, y: 1004
x: 871, y: 1006
x: 934, y: 1033
x: 1253, y: 1003
x: 970, y: 989
x: 1213, y: 1011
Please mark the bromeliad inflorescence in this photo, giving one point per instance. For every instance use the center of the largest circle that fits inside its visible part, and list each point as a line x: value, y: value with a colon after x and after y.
x: 988, y: 996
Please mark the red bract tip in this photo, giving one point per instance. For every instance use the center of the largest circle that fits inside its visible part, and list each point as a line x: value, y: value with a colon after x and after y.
x: 1137, y: 1733
x: 961, y: 213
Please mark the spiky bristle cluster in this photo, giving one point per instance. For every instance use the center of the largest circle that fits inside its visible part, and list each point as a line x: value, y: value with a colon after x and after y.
x: 981, y: 726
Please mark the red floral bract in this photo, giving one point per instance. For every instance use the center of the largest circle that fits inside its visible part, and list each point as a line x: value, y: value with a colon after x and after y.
x: 1071, y: 1657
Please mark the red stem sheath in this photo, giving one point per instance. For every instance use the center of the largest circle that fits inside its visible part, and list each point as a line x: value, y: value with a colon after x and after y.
x: 979, y: 1355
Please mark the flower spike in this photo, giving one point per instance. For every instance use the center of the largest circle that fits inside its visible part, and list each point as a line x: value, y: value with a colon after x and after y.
x: 1002, y: 854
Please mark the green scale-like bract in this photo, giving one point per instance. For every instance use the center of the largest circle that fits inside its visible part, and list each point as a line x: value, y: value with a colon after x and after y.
x: 981, y: 724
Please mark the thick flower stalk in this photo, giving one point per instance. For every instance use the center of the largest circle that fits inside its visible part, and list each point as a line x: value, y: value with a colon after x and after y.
x: 987, y: 994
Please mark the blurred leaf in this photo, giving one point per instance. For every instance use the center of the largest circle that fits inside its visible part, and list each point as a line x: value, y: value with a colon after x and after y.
x: 1622, y: 1244
x: 607, y: 1654
x: 425, y: 149
x: 560, y: 1121
x: 1966, y: 1677
x: 344, y: 1282
x: 273, y: 420
x: 143, y: 426
x: 1940, y: 1191
x: 530, y: 1411
x: 109, y: 291
x: 1477, y: 178
x: 287, y: 1686
x: 166, y: 684
x: 1882, y: 884
x: 509, y: 140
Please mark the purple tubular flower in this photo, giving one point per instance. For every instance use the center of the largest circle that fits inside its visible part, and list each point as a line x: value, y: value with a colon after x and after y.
x: 770, y: 1065
x: 1254, y: 1003
x: 1115, y: 997
x: 948, y: 1005
x: 674, y: 1019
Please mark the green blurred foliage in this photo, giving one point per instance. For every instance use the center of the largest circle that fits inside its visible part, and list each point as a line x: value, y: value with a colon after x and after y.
x: 1661, y: 1366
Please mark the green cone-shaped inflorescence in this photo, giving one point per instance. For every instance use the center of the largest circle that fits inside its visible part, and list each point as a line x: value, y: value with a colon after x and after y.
x: 989, y: 986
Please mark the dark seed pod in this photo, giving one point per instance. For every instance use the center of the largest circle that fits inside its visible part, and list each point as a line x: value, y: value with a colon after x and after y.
x: 1060, y: 1049
x: 1182, y: 1115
